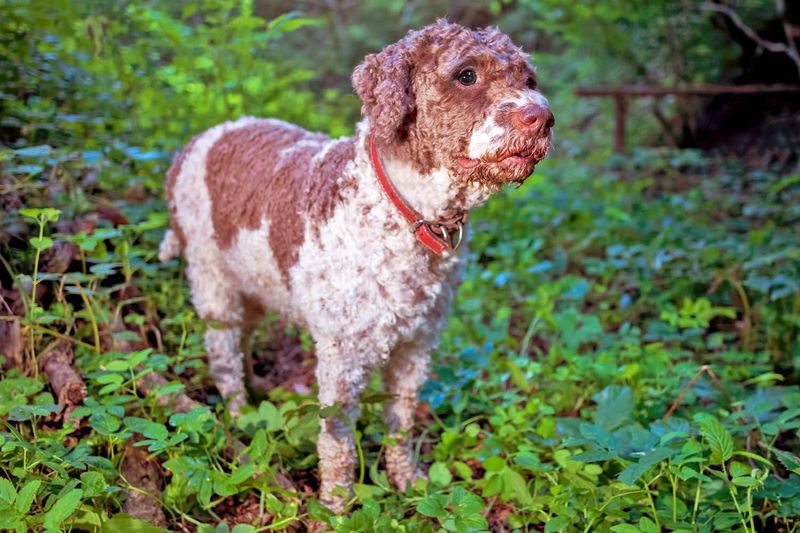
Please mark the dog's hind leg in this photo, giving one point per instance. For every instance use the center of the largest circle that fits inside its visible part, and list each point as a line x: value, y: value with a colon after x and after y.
x: 226, y: 366
x: 253, y: 315
x: 218, y: 303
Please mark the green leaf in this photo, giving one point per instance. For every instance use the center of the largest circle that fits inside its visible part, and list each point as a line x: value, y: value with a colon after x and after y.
x: 625, y: 528
x: 614, y: 406
x: 93, y: 483
x: 243, y: 473
x: 755, y: 457
x: 331, y: 410
x: 7, y: 492
x: 517, y: 487
x: 291, y: 21
x: 737, y: 469
x: 462, y: 470
x: 41, y: 243
x: 317, y: 511
x: 433, y: 506
x: 50, y: 214
x: 494, y: 464
x: 271, y: 415
x: 14, y: 523
x: 789, y: 460
x: 23, y: 413
x: 633, y: 472
x: 439, y: 474
x: 785, y: 183
x: 26, y: 495
x: 648, y: 526
x: 62, y: 509
x: 40, y: 151
x: 556, y: 524
x: 30, y: 212
x: 745, y: 481
x: 718, y: 438
x: 89, y: 520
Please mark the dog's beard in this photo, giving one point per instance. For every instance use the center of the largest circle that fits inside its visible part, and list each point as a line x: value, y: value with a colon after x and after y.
x: 512, y: 163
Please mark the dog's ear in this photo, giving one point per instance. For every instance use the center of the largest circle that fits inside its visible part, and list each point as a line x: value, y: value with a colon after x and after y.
x: 383, y: 82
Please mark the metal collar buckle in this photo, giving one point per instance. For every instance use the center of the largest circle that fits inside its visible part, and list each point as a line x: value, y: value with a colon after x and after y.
x: 453, y: 240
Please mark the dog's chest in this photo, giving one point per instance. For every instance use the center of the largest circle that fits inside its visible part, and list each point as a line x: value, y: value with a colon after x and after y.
x: 365, y: 278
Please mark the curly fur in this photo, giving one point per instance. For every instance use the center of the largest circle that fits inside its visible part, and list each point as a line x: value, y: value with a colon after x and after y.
x: 271, y: 217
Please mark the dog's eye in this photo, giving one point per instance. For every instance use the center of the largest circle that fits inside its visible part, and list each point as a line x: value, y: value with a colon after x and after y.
x: 467, y: 77
x: 530, y: 83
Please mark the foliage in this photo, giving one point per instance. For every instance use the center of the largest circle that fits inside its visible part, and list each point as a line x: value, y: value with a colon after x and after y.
x: 159, y: 72
x: 595, y: 295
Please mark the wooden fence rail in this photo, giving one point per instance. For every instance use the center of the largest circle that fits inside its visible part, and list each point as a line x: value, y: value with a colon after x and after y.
x: 620, y: 95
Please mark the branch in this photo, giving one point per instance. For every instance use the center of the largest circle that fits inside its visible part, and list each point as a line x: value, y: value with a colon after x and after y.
x: 781, y: 48
x: 789, y: 30
x: 705, y: 369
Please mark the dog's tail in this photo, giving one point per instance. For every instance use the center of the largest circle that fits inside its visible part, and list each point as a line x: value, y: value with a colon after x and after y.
x: 170, y: 247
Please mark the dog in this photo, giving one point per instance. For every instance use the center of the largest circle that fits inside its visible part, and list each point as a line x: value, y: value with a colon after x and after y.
x: 356, y: 239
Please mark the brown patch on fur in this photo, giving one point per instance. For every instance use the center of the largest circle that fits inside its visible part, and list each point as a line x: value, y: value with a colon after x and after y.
x: 324, y: 193
x: 248, y: 180
x: 252, y: 310
x: 169, y: 185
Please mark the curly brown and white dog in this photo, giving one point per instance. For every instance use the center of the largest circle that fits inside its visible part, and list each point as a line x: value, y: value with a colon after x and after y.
x: 356, y: 239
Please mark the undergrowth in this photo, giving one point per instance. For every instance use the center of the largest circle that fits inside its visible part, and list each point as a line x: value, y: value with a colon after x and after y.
x: 623, y: 355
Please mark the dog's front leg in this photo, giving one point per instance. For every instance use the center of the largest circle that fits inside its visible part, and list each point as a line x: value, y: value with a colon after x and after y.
x: 341, y: 381
x: 403, y: 376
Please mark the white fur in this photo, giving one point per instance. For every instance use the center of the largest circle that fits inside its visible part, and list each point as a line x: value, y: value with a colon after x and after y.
x: 254, y: 263
x: 484, y: 138
x: 359, y: 276
x: 300, y: 145
x: 538, y: 98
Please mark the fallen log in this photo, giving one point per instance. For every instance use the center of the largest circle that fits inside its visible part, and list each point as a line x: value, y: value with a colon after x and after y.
x: 179, y: 401
x: 56, y: 362
x: 11, y: 343
x: 143, y: 474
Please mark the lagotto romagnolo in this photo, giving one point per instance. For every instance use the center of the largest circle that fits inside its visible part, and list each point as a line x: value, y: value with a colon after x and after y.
x: 270, y: 216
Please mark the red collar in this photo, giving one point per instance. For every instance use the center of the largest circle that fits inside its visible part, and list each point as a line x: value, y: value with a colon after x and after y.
x: 435, y: 236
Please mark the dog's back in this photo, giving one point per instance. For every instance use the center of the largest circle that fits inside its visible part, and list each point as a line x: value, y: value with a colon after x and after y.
x: 240, y: 196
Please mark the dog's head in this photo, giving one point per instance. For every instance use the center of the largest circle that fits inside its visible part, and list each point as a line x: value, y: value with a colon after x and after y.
x: 466, y: 100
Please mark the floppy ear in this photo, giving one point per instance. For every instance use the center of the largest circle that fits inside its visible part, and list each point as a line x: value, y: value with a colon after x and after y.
x: 383, y: 82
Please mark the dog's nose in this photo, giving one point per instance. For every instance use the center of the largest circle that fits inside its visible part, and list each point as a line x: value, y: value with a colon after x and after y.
x: 536, y: 117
